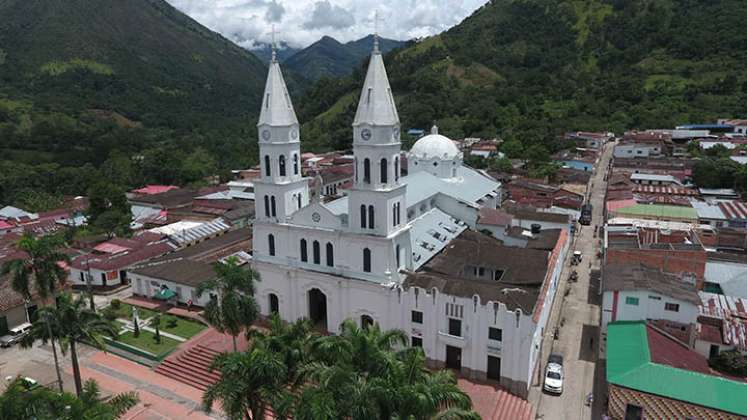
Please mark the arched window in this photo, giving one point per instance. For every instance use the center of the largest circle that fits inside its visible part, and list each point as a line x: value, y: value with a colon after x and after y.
x: 295, y: 164
x: 356, y: 169
x: 298, y: 197
x: 273, y: 208
x: 317, y: 257
x: 274, y: 304
x: 267, y: 206
x: 399, y: 258
x: 268, y: 171
x: 394, y: 214
x: 384, y: 171
x: 281, y: 164
x: 363, y: 216
x: 399, y: 218
x: 371, y: 217
x: 330, y: 255
x: 271, y: 244
x: 366, y: 171
x: 366, y: 260
x: 366, y: 322
x: 396, y: 168
x: 304, y: 251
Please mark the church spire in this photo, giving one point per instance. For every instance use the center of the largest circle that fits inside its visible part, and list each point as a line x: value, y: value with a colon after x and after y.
x: 277, y: 108
x: 376, y: 105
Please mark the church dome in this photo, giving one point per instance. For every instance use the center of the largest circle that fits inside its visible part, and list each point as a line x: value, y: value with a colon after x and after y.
x: 435, y: 145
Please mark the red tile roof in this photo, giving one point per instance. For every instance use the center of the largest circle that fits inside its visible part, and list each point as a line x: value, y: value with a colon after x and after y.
x: 494, y: 217
x: 667, y: 351
x: 154, y: 189
x: 121, y: 260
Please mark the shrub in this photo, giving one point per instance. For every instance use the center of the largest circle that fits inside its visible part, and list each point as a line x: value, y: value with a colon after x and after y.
x: 730, y: 362
x: 116, y: 304
x: 171, y: 322
x: 109, y: 314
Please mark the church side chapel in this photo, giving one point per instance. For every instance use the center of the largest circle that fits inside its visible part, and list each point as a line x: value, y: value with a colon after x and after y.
x: 400, y: 251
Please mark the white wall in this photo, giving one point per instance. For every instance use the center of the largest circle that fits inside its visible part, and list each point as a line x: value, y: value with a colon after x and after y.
x: 647, y: 308
x: 635, y: 150
x: 149, y: 286
x: 76, y: 279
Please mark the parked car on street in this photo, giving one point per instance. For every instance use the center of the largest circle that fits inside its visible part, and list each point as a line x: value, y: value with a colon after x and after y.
x: 554, y: 374
x: 15, y: 335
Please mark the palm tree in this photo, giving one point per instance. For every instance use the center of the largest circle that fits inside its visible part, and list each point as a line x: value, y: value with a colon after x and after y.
x: 249, y: 382
x: 233, y: 308
x: 291, y: 341
x: 18, y: 402
x: 155, y: 322
x: 72, y: 322
x: 42, y: 264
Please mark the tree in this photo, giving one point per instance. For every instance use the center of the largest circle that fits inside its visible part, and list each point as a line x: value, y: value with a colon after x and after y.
x: 233, y: 307
x: 155, y: 322
x: 249, y: 382
x: 42, y: 263
x: 72, y: 322
x: 113, y: 222
x: 18, y: 402
x: 108, y: 209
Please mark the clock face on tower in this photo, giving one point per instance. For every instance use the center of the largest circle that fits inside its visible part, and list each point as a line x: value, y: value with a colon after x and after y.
x: 395, y: 133
x: 366, y: 134
x: 294, y: 134
x: 316, y: 217
x: 266, y: 135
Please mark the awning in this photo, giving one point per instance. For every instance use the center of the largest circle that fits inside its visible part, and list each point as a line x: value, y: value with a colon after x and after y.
x: 164, y: 294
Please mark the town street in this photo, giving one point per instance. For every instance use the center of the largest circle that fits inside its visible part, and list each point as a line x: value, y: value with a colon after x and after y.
x: 577, y: 317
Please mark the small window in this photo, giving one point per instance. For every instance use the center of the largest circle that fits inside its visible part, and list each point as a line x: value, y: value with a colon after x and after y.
x: 268, y: 171
x: 271, y: 244
x: 317, y: 252
x: 370, y: 217
x: 281, y: 165
x: 417, y: 317
x: 417, y: 342
x: 631, y: 301
x: 267, y: 206
x: 384, y: 170
x: 495, y: 334
x: 273, y: 207
x: 674, y: 307
x: 295, y: 164
x: 652, y: 297
x: 366, y: 260
x: 330, y: 255
x: 367, y: 171
x: 363, y: 216
x: 455, y: 327
x: 304, y: 251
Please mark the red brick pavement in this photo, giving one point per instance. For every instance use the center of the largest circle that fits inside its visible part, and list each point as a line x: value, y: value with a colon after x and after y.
x: 493, y: 403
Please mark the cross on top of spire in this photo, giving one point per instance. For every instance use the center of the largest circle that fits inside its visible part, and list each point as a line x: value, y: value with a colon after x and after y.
x: 274, y: 45
x: 376, y: 32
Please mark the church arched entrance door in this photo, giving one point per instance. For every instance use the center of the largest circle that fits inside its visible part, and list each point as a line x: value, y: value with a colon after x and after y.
x: 318, y: 308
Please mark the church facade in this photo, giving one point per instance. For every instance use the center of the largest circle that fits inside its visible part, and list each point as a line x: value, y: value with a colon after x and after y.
x: 377, y: 255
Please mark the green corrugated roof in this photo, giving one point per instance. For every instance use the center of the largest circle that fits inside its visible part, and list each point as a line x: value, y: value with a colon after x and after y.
x: 629, y: 365
x: 660, y: 210
x: 164, y: 294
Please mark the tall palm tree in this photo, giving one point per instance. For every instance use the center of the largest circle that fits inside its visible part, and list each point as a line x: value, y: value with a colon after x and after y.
x: 155, y: 322
x: 233, y: 308
x: 40, y: 264
x: 250, y: 381
x: 20, y: 403
x: 291, y: 341
x: 72, y: 322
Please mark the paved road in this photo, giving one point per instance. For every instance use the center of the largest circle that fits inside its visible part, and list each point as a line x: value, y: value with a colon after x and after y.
x: 577, y: 316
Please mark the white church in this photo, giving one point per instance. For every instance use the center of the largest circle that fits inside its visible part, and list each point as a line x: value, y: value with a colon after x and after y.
x: 397, y: 250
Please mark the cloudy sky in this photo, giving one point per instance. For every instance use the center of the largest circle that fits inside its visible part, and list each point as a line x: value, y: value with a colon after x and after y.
x: 301, y: 22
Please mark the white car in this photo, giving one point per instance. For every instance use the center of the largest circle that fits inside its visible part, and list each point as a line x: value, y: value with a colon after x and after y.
x: 554, y: 378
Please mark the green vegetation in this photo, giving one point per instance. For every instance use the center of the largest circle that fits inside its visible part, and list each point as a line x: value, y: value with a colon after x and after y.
x: 147, y: 341
x: 136, y: 89
x: 730, y: 362
x: 18, y: 402
x: 124, y: 311
x: 362, y: 373
x: 529, y: 70
x: 182, y: 327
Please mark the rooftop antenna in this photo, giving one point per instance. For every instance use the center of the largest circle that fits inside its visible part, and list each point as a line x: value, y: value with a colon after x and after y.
x: 376, y: 32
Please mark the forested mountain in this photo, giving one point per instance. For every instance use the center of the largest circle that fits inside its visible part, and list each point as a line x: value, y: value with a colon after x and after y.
x: 531, y: 69
x: 83, y: 80
x: 330, y: 58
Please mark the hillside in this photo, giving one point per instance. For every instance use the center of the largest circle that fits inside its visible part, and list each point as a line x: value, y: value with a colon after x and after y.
x: 328, y: 57
x: 137, y: 63
x: 531, y: 69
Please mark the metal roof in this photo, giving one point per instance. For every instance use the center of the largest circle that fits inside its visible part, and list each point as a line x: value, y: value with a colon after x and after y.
x: 195, y: 233
x: 430, y: 233
x: 659, y: 210
x: 730, y: 276
x: 630, y: 365
x: 732, y: 311
x: 733, y: 209
x: 708, y: 210
x: 653, y: 177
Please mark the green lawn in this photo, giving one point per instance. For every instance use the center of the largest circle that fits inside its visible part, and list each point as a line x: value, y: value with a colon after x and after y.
x: 125, y: 311
x: 184, y: 327
x: 146, y: 341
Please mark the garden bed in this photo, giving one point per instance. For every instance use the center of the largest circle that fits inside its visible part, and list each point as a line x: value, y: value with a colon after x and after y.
x: 147, y: 342
x: 184, y: 328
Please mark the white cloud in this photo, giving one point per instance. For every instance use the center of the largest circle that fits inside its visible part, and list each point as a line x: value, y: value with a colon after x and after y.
x: 301, y: 22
